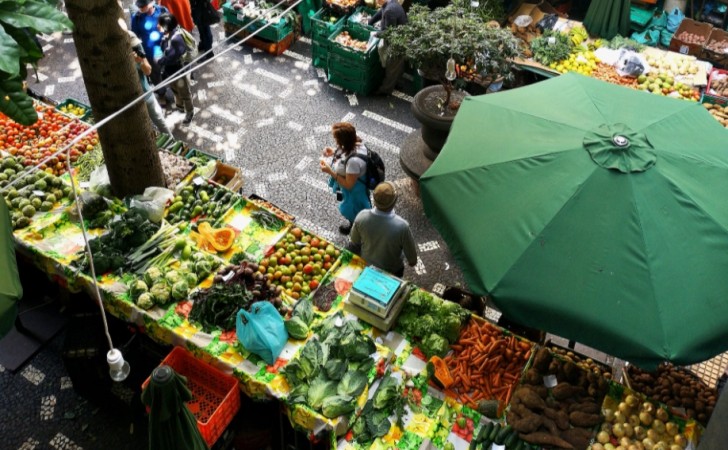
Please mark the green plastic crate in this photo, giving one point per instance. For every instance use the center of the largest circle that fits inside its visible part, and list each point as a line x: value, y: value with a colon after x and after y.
x: 276, y: 32
x: 199, y: 153
x: 321, y: 28
x: 319, y: 55
x: 353, y: 69
x: 72, y: 101
x: 353, y: 19
x: 361, y: 34
x: 363, y: 87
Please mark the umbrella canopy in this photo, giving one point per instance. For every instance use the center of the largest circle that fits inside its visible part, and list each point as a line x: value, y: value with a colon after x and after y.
x: 171, y: 424
x: 591, y: 211
x: 10, y: 287
x: 608, y: 18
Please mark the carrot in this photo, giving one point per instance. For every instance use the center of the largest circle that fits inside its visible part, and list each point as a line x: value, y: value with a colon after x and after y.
x: 457, y: 348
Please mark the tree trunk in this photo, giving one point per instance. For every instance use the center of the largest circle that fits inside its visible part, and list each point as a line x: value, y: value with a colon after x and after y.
x: 111, y: 79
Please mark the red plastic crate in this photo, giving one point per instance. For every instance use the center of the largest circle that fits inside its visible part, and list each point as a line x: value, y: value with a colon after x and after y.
x: 215, y: 396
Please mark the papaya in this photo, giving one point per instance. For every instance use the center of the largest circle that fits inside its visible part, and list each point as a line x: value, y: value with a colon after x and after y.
x: 223, y: 239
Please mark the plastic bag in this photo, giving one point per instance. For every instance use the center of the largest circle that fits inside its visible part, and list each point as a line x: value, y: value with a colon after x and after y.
x: 152, y: 201
x: 658, y: 22
x: 548, y: 22
x: 665, y: 37
x: 262, y: 331
x: 630, y: 64
x: 99, y: 181
x: 674, y: 19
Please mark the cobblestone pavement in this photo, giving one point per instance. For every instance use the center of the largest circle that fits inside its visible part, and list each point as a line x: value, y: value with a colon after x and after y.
x: 270, y: 116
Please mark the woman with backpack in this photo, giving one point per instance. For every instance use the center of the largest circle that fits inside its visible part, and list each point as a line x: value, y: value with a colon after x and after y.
x: 171, y: 62
x: 348, y: 166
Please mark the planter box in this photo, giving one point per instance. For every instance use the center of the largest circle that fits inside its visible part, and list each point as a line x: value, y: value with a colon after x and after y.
x: 690, y: 26
x: 719, y: 59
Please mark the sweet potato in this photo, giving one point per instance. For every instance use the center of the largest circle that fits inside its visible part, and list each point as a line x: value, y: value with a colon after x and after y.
x: 543, y: 438
x: 529, y: 398
x: 527, y: 424
x: 533, y: 377
x: 542, y: 360
x: 563, y: 391
x: 578, y: 437
x: 586, y: 420
x: 551, y: 426
x: 541, y: 390
x: 585, y: 407
x: 559, y: 417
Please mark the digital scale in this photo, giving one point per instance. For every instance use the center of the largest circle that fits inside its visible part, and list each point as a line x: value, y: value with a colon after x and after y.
x: 377, y: 297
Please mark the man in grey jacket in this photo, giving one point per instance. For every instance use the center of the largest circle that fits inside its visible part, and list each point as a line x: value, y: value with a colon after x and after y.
x: 383, y: 235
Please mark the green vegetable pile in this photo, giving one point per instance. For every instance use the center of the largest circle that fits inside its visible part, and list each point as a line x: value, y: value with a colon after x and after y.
x: 619, y: 41
x: 110, y: 251
x: 547, y: 53
x: 374, y: 422
x: 332, y: 369
x: 267, y: 220
x: 87, y: 163
x: 217, y: 307
x: 300, y: 321
x: 98, y: 211
x: 35, y: 192
x: 431, y: 322
x: 203, y: 199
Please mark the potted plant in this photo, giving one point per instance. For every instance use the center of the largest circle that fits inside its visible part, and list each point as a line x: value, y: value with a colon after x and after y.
x: 439, y: 41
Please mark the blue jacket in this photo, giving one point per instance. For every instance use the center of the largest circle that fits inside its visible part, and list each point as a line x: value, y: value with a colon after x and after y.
x: 145, y: 27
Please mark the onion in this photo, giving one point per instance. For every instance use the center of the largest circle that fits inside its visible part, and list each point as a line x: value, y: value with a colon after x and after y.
x: 603, y: 437
x: 671, y: 428
x: 628, y: 430
x: 645, y: 418
x: 618, y: 430
x: 631, y: 400
x: 648, y: 443
x: 658, y: 426
x: 609, y: 415
x: 661, y: 413
x: 648, y: 407
x: 624, y: 408
x: 639, y: 432
x: 634, y: 420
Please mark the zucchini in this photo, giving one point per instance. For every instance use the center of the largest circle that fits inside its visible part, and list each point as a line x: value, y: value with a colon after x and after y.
x: 494, y: 432
x: 176, y: 147
x: 483, y: 433
x: 520, y: 444
x: 511, y: 440
x: 503, y: 434
x: 161, y: 140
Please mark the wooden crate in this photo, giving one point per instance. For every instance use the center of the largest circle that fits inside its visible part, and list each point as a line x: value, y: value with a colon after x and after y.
x: 718, y: 59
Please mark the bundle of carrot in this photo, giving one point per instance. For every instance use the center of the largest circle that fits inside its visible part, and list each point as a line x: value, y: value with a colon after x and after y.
x: 485, y: 364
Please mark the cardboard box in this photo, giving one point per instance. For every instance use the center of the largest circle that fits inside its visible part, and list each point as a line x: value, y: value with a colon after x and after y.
x: 537, y: 9
x: 690, y: 26
x: 227, y: 176
x: 715, y: 75
x: 718, y: 58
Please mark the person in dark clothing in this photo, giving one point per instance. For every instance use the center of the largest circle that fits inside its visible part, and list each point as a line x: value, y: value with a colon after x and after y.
x: 391, y: 14
x: 173, y: 46
x: 198, y: 16
x: 144, y: 25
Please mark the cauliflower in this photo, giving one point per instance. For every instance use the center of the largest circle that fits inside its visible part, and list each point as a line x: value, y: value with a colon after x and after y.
x: 160, y: 293
x: 137, y: 288
x: 152, y: 275
x: 145, y: 301
x: 179, y: 290
x: 172, y: 277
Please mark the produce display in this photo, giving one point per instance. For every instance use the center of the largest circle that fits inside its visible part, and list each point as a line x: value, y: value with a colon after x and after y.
x: 211, y: 239
x: 345, y: 5
x: 175, y: 168
x: 272, y: 208
x: 632, y: 421
x: 113, y: 250
x: 345, y: 39
x: 98, y: 211
x: 495, y: 433
x: 718, y: 45
x: 691, y: 38
x: 200, y: 199
x: 581, y: 62
x: 719, y: 112
x: 39, y: 191
x: 618, y: 42
x: 607, y: 73
x: 672, y: 64
x: 333, y: 369
x: 551, y: 47
x: 298, y: 263
x: 559, y: 403
x: 718, y: 84
x: 431, y: 323
x: 49, y: 134
x: 234, y: 287
x: 87, y: 163
x: 374, y: 420
x: 267, y: 220
x: 485, y: 364
x: 73, y: 109
x: 583, y: 362
x: 676, y: 388
x: 299, y: 324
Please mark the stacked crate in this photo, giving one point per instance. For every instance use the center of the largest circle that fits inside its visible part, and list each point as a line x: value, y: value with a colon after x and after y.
x: 323, y: 23
x: 351, y: 69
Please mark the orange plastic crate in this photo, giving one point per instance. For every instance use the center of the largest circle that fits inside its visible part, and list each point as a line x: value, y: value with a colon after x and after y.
x: 215, y: 396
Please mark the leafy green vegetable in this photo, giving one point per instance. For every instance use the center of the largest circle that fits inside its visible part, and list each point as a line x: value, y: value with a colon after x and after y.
x: 296, y: 328
x: 160, y: 293
x: 335, y: 368
x: 152, y: 275
x: 298, y: 394
x: 378, y: 423
x: 337, y: 405
x: 619, y: 41
x: 138, y: 288
x: 319, y: 389
x: 218, y: 306
x: 552, y: 46
x: 312, y: 358
x: 352, y: 384
x: 179, y: 290
x: 388, y: 390
x: 434, y: 344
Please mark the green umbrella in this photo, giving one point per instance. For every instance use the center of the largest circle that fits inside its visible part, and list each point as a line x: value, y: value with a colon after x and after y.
x: 608, y: 18
x: 10, y: 288
x: 171, y: 424
x: 591, y: 211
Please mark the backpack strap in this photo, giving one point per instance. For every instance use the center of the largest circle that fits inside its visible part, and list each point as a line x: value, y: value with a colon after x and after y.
x: 363, y: 158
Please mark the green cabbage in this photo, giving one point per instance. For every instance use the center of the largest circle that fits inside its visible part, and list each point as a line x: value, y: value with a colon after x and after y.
x: 337, y: 405
x: 335, y: 368
x: 296, y: 328
x: 319, y: 389
x: 352, y: 384
x: 388, y: 390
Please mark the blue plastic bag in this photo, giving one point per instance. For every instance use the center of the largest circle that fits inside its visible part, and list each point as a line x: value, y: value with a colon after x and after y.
x: 261, y: 331
x: 673, y: 19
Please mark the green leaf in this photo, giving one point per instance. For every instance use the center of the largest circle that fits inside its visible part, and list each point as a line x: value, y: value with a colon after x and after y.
x: 37, y: 16
x: 14, y: 102
x: 9, y: 54
x: 29, y: 49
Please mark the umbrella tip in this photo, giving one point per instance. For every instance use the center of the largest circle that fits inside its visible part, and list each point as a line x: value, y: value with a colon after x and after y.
x: 162, y: 374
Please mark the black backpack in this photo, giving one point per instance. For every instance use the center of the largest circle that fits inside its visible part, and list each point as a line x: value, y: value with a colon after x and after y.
x: 375, y: 168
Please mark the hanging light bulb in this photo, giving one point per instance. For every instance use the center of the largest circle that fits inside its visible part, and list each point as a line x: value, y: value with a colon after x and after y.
x: 118, y: 368
x: 450, y: 72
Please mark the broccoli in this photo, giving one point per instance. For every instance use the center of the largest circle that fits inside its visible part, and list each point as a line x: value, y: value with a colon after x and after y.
x: 434, y: 344
x: 450, y: 328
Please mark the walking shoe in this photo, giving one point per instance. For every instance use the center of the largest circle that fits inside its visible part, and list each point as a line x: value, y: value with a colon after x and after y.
x: 179, y: 108
x: 188, y: 118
